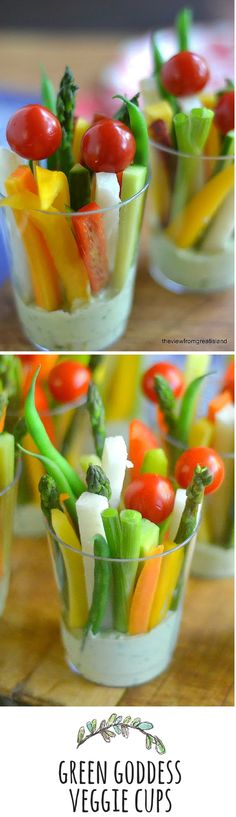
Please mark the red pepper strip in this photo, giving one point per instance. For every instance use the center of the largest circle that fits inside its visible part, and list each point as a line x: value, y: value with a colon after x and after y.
x: 91, y: 240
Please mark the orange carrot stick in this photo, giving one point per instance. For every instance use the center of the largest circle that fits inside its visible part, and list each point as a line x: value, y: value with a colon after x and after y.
x: 144, y: 594
x: 218, y: 403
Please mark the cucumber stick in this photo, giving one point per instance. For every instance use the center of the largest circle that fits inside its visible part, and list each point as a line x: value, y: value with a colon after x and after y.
x: 220, y: 504
x: 7, y: 459
x: 133, y: 179
x: 149, y: 538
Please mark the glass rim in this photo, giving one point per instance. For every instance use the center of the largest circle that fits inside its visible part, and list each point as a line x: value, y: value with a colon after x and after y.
x: 114, y: 560
x: 179, y: 153
x: 85, y: 214
x: 15, y: 480
x: 56, y: 411
x: 184, y: 447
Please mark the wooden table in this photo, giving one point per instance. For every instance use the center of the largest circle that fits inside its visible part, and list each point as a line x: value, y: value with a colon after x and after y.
x: 32, y: 666
x: 157, y: 314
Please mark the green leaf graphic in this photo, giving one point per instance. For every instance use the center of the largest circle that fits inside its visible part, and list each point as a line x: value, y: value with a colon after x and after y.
x: 145, y: 726
x: 160, y: 748
x: 148, y: 741
x: 127, y: 719
x: 136, y: 722
x: 112, y: 719
x: 117, y: 728
x: 81, y: 734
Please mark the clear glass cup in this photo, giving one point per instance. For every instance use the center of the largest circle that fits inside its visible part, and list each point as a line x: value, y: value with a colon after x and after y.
x: 191, y: 221
x: 113, y: 657
x: 7, y: 506
x: 213, y: 557
x: 57, y: 307
x: 71, y: 433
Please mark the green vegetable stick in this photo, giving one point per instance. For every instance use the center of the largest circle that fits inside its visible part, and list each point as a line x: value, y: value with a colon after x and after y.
x: 46, y: 448
x: 48, y: 93
x: 66, y: 99
x: 130, y: 549
x: 112, y: 527
x: 187, y: 410
x: 101, y: 587
x: 7, y: 459
x: 155, y: 462
x: 167, y: 403
x: 139, y: 129
x: 158, y: 62
x: 183, y: 24
x: 97, y: 481
x: 191, y: 132
x: 97, y: 418
x: 7, y: 468
x: 61, y: 481
x: 122, y: 114
x: 201, y: 479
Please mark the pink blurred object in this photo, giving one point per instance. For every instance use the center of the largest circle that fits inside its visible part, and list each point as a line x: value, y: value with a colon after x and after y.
x: 135, y: 63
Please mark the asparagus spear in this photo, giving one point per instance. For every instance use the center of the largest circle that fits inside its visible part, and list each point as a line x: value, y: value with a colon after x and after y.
x: 167, y: 403
x: 97, y: 481
x: 194, y: 493
x: 97, y: 418
x: 50, y: 497
x: 65, y: 112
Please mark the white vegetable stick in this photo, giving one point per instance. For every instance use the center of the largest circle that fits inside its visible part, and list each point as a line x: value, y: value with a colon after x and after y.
x: 221, y: 229
x: 9, y: 161
x: 89, y: 508
x: 107, y: 194
x: 179, y: 504
x: 114, y: 463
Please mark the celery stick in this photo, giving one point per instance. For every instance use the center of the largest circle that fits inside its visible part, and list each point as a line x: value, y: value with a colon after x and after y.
x: 149, y: 538
x: 7, y: 468
x: 112, y: 527
x: 191, y: 132
x: 130, y: 549
x: 220, y: 504
x: 7, y: 459
x: 155, y: 462
x: 183, y: 24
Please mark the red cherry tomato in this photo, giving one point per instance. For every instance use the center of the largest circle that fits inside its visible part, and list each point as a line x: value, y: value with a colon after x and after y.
x: 153, y: 496
x: 224, y: 112
x: 184, y: 74
x: 68, y: 381
x: 108, y: 146
x: 228, y: 383
x: 34, y: 132
x: 173, y: 376
x: 203, y: 456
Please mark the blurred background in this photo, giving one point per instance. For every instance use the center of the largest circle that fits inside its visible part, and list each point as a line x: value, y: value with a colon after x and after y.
x: 104, y: 15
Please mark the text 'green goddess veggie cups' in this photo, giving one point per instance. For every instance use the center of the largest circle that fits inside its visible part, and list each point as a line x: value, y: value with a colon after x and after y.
x: 8, y: 496
x: 44, y: 250
x: 138, y: 609
x: 191, y: 217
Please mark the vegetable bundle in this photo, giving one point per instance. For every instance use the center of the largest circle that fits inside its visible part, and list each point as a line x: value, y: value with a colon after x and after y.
x: 87, y: 169
x: 114, y: 537
x: 192, y: 131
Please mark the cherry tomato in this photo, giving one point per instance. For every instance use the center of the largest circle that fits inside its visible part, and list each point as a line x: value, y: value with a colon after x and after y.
x: 108, y: 146
x: 184, y: 74
x: 224, y: 112
x: 203, y: 456
x: 153, y: 496
x: 68, y: 381
x: 173, y: 376
x: 228, y: 383
x: 34, y: 132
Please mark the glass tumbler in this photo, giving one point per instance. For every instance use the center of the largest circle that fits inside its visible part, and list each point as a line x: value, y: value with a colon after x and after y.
x: 73, y: 274
x: 136, y: 640
x: 191, y: 221
x: 7, y: 506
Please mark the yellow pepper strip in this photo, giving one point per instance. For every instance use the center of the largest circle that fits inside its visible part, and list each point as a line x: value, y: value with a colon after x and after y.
x: 159, y: 110
x: 208, y: 100
x: 212, y: 149
x: 121, y: 402
x: 53, y: 189
x: 80, y: 128
x: 45, y: 283
x: 188, y: 225
x: 201, y: 433
x: 77, y: 605
x: 205, y: 534
x: 170, y: 571
x: 34, y: 468
x: 60, y: 241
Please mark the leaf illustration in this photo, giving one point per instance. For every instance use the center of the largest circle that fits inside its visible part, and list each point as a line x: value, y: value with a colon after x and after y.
x: 105, y: 737
x: 136, y: 722
x: 80, y: 736
x: 148, y: 741
x: 124, y: 730
x: 118, y: 720
x: 110, y: 733
x: 102, y: 724
x: 112, y: 719
x: 145, y: 726
x: 117, y: 728
x: 91, y: 726
x: 127, y: 719
x: 160, y: 748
